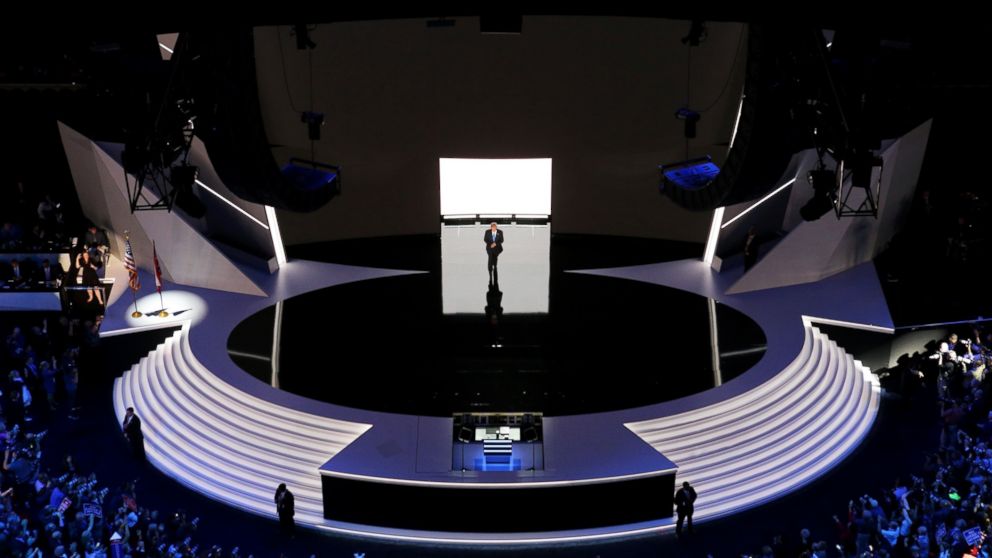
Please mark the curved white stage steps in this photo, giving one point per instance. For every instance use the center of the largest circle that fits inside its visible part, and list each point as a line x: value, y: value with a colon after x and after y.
x: 225, y: 443
x: 740, y: 452
x: 775, y: 438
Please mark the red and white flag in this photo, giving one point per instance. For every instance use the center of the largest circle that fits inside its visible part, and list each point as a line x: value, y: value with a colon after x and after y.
x: 158, y: 270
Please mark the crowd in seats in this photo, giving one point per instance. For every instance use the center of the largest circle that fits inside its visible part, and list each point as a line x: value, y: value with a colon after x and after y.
x: 64, y: 513
x: 42, y: 364
x: 945, y: 509
x: 49, y: 508
x: 30, y: 260
x: 31, y: 222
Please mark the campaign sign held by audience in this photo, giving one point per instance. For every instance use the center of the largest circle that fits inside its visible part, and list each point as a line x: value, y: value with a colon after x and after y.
x: 973, y: 536
x: 64, y: 505
x: 92, y: 508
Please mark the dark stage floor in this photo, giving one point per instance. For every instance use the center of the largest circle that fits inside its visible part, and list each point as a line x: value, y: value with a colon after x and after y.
x: 603, y: 344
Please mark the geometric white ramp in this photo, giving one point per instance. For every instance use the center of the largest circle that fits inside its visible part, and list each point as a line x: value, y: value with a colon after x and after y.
x: 775, y: 438
x: 223, y: 442
x: 738, y: 453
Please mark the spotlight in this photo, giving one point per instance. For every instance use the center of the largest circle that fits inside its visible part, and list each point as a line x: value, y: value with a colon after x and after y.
x: 135, y: 157
x: 313, y: 120
x: 691, y: 117
x: 824, y: 183
x: 822, y: 180
x: 862, y: 194
x: 862, y: 166
x: 182, y: 178
x: 816, y: 207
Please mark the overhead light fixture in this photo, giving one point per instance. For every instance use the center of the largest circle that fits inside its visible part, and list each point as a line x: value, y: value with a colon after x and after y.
x: 691, y: 117
x: 313, y: 120
x: 182, y: 178
x: 689, y: 175
x: 824, y: 183
x: 860, y: 196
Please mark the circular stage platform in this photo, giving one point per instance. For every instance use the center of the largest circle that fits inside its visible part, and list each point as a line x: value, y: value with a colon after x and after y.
x: 601, y: 344
x: 592, y: 338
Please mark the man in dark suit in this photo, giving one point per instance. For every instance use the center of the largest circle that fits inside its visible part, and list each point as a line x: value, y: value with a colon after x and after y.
x: 286, y: 508
x: 49, y: 273
x: 132, y: 432
x: 494, y: 247
x: 18, y: 273
x: 684, y: 500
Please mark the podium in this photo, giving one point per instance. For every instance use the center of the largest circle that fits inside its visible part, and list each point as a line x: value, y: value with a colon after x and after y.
x: 497, y: 451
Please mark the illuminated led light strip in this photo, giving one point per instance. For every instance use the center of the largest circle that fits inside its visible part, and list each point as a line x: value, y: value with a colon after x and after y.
x: 713, y: 237
x: 166, y: 49
x: 270, y: 216
x: 495, y: 485
x: 230, y: 203
x: 737, y: 122
x: 757, y: 203
x: 136, y: 329
x: 475, y: 539
x: 810, y: 320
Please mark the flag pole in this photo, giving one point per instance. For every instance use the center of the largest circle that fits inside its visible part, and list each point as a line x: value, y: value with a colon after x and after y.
x: 158, y: 283
x: 134, y: 293
x: 134, y: 298
x: 162, y: 313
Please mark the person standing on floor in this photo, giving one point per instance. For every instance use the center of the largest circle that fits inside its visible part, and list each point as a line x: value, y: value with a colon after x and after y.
x: 286, y: 508
x: 684, y: 500
x: 494, y: 247
x: 132, y: 432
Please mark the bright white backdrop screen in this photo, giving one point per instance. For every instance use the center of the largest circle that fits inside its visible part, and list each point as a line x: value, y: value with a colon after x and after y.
x: 524, y: 269
x: 495, y: 186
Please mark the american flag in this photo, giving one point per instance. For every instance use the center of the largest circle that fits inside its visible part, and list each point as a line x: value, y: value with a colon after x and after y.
x: 132, y: 270
x: 158, y: 270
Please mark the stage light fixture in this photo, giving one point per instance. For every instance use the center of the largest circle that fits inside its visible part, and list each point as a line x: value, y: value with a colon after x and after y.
x: 313, y: 120
x: 182, y: 178
x: 862, y: 195
x: 691, y: 117
x: 824, y: 183
x: 689, y: 175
